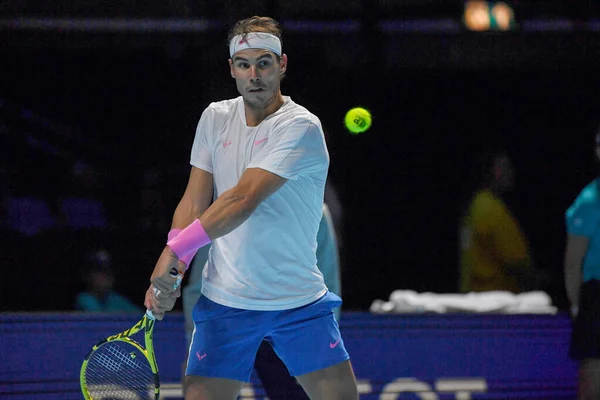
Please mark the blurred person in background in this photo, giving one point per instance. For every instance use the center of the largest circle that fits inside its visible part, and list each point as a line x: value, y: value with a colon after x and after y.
x: 99, y: 294
x: 582, y: 281
x: 274, y: 375
x: 494, y: 252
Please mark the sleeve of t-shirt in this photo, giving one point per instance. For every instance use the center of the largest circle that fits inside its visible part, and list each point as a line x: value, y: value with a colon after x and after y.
x: 292, y: 151
x: 201, y: 156
x: 582, y: 220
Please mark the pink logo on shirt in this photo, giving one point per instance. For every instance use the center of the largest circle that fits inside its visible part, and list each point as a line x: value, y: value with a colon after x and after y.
x: 257, y: 142
x: 226, y: 144
x: 334, y: 344
x: 200, y: 356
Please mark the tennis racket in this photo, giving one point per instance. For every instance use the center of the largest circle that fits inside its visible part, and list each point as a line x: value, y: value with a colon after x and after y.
x: 120, y: 368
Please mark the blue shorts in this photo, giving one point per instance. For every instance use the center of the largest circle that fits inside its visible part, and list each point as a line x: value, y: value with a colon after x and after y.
x: 225, y: 339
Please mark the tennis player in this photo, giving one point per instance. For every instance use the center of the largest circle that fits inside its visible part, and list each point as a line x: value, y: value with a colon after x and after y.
x: 582, y: 281
x: 264, y: 161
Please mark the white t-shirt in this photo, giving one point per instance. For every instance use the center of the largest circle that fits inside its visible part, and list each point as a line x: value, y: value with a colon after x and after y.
x: 269, y: 261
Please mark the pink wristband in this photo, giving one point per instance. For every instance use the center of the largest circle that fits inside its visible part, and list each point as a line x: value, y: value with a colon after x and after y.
x: 172, y: 233
x: 188, y: 241
x: 186, y: 259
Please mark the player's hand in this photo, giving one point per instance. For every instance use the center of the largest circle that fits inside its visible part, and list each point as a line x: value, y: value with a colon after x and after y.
x: 168, y: 272
x: 159, y: 303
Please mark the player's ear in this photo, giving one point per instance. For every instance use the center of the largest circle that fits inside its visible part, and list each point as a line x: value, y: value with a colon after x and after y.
x: 231, y: 68
x: 283, y: 64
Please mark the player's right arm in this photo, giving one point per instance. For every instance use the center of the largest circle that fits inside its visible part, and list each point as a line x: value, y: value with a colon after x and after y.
x: 195, y: 200
x: 198, y: 194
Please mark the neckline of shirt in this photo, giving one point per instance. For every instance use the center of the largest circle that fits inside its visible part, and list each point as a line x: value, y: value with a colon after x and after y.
x: 286, y: 101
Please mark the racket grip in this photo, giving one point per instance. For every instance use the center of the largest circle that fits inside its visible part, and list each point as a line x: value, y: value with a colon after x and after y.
x: 175, y: 274
x: 150, y: 315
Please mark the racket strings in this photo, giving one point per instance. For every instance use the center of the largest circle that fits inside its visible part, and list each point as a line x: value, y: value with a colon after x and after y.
x: 119, y: 370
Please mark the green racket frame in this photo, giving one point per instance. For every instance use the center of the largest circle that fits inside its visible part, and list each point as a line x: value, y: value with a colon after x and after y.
x: 147, y: 324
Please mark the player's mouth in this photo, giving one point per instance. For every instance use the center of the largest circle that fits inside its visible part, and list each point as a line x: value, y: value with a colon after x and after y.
x: 256, y: 90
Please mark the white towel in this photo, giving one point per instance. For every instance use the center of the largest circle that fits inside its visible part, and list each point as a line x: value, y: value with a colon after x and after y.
x: 500, y: 302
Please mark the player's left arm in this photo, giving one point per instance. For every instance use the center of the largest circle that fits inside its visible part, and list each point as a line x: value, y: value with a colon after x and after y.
x: 287, y: 155
x: 234, y: 206
x: 300, y: 150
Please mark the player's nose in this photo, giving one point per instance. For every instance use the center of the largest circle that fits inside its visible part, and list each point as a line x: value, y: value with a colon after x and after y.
x: 253, y: 74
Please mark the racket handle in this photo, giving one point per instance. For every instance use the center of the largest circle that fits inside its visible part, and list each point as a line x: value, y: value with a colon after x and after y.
x: 149, y: 313
x: 175, y: 274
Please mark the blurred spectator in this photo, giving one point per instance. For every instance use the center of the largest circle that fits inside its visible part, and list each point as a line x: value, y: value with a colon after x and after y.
x: 582, y: 281
x: 277, y: 381
x: 82, y: 206
x: 99, y: 294
x: 495, y: 254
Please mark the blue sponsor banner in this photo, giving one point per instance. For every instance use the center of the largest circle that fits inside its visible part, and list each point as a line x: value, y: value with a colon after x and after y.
x: 394, y: 356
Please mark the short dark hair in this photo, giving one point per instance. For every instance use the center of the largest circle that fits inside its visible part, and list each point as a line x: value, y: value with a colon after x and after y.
x: 256, y: 24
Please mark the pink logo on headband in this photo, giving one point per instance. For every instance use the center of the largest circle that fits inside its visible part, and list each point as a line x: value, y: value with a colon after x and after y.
x: 260, y: 40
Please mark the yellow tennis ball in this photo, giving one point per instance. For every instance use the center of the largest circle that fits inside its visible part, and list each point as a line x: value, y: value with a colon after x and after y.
x: 357, y: 120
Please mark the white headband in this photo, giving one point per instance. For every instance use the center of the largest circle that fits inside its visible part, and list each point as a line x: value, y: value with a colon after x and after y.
x: 255, y: 40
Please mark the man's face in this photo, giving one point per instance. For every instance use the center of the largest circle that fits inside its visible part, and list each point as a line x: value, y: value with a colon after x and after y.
x: 257, y: 75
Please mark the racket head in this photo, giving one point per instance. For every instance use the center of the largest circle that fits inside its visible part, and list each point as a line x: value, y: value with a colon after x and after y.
x: 120, y: 368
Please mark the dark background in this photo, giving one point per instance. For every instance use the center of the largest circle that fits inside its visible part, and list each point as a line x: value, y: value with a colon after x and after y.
x: 127, y: 102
